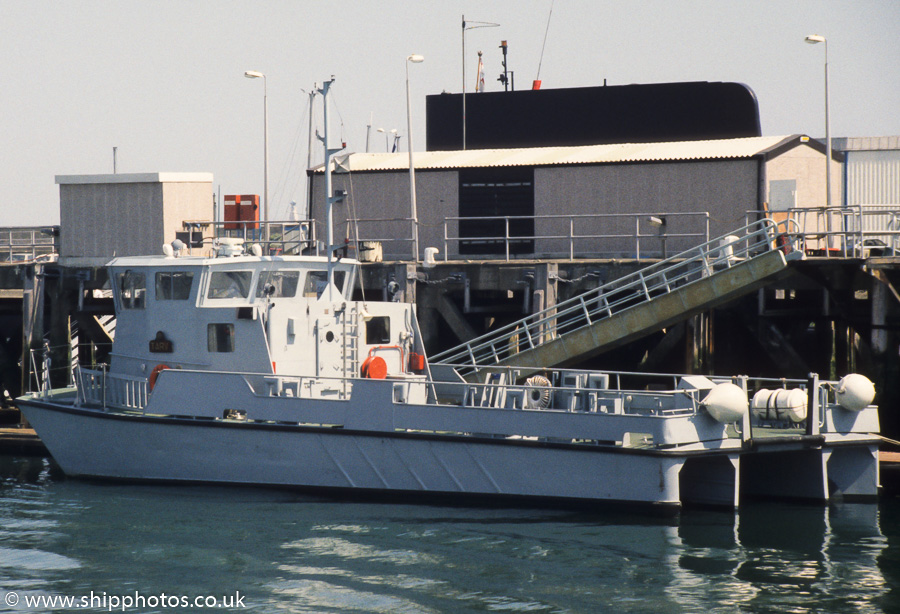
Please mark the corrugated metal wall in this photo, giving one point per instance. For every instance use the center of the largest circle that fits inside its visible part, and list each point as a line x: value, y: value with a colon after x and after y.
x: 873, y: 178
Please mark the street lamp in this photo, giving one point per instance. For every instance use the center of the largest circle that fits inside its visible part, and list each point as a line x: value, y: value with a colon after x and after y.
x: 393, y: 132
x: 415, y: 59
x: 813, y: 39
x: 252, y: 74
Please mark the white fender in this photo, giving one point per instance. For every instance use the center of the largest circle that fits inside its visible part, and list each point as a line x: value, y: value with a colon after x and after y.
x: 726, y: 403
x: 855, y: 392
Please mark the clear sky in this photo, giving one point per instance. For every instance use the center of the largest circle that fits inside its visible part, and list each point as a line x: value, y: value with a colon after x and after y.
x: 163, y: 80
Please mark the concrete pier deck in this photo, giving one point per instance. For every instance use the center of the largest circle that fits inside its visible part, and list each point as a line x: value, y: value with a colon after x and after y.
x: 21, y: 441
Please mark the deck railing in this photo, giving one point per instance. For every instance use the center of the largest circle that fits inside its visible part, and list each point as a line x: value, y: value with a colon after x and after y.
x: 99, y: 387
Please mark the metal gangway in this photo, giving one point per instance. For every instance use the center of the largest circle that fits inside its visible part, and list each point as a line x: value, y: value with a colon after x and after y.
x: 636, y: 305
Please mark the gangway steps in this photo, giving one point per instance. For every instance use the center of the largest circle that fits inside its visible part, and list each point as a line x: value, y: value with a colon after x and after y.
x: 648, y: 317
x: 633, y: 306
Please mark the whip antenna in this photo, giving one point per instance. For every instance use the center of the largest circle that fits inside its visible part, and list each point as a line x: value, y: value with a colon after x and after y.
x: 537, y: 80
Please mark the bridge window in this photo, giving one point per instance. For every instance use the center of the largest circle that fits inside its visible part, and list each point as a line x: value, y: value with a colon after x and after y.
x: 132, y: 290
x: 229, y: 284
x: 173, y: 286
x: 317, y: 281
x: 220, y: 337
x: 277, y: 284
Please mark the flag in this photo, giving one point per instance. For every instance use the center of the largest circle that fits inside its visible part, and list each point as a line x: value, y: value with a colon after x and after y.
x: 479, y: 83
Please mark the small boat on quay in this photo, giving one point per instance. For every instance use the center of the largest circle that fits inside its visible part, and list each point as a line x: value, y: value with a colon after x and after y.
x: 241, y: 368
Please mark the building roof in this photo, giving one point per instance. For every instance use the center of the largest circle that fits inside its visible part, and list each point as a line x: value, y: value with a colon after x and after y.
x: 867, y: 143
x: 562, y: 156
x: 135, y: 178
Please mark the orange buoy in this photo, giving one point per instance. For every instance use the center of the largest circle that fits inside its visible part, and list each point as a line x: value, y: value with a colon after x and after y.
x: 155, y: 373
x: 374, y: 367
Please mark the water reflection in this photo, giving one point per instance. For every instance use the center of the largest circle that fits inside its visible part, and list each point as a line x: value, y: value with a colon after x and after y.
x: 806, y: 558
x: 289, y: 553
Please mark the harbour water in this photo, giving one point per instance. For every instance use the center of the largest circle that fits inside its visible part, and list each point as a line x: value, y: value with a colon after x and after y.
x: 114, y: 547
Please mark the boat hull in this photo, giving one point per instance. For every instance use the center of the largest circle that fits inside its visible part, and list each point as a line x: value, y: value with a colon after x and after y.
x: 96, y: 444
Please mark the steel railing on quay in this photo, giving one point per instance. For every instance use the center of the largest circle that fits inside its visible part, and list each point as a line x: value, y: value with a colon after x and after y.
x: 637, y: 235
x: 584, y: 234
x: 27, y: 243
x: 291, y: 237
x: 858, y: 231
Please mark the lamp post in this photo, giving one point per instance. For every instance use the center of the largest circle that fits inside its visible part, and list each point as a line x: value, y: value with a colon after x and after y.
x: 252, y: 74
x: 813, y: 39
x: 415, y: 59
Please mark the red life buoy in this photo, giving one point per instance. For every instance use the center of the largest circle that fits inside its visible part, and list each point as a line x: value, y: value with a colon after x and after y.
x: 783, y: 242
x: 154, y: 374
x: 374, y: 367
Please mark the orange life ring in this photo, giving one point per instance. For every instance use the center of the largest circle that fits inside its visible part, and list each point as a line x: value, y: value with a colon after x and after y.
x: 374, y: 367
x: 154, y: 374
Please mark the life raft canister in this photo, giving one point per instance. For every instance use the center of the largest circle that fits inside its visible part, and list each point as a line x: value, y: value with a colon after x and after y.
x: 154, y: 374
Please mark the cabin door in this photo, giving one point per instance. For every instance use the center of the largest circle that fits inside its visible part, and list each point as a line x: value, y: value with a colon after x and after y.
x: 336, y: 345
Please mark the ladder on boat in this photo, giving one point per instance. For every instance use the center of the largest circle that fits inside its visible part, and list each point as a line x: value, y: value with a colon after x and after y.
x: 633, y: 306
x: 350, y: 346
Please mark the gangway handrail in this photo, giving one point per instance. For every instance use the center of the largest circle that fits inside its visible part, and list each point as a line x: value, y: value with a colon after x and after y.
x: 743, y: 244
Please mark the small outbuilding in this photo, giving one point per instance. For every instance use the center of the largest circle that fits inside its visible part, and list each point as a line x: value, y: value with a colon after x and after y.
x: 128, y: 214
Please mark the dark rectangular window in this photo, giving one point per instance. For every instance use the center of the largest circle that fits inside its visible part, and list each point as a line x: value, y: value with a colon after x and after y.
x: 132, y: 290
x: 378, y: 330
x: 317, y: 281
x: 493, y: 194
x: 173, y: 286
x: 276, y: 284
x: 229, y: 284
x: 220, y: 337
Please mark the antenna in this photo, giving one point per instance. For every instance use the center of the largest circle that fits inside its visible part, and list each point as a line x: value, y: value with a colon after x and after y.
x: 537, y: 81
x: 504, y: 78
x: 469, y: 25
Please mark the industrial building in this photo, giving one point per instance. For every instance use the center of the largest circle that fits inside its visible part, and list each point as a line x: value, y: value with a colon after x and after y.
x: 577, y: 200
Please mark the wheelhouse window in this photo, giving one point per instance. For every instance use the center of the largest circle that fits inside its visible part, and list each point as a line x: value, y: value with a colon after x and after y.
x: 378, y: 330
x: 174, y: 285
x: 317, y: 281
x: 132, y: 288
x: 229, y: 284
x: 220, y: 337
x: 278, y: 284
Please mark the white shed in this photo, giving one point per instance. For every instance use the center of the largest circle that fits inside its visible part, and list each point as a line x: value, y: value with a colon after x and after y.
x: 127, y: 214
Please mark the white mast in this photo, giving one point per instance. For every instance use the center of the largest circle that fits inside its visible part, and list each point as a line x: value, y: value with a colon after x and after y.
x: 330, y: 198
